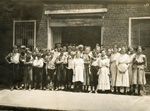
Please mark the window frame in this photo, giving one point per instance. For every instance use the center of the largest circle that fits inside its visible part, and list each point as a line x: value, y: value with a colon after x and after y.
x: 130, y: 27
x: 14, y: 23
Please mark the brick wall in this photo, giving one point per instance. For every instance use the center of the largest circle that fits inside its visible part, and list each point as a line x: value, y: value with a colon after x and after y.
x: 116, y: 22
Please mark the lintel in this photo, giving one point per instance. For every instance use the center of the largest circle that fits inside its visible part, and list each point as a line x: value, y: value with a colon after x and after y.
x: 76, y: 11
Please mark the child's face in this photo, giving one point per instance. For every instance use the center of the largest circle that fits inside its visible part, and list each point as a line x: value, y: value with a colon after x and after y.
x: 139, y: 50
x: 103, y: 53
x: 123, y: 50
x: 78, y: 55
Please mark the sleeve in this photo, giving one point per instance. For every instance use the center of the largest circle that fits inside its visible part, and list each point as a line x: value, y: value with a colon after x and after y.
x: 145, y: 61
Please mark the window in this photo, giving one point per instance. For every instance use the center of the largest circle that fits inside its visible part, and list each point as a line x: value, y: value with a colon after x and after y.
x: 24, y: 33
x: 140, y: 32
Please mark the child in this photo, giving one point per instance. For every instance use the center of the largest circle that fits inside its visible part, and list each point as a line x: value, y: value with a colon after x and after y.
x: 27, y: 79
x: 78, y: 68
x: 51, y: 70
x: 86, y: 59
x: 38, y: 68
x: 14, y: 61
x: 103, y: 73
x: 139, y: 65
x: 69, y: 70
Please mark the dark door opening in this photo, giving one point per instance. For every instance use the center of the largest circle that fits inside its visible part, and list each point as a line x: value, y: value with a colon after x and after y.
x: 86, y: 35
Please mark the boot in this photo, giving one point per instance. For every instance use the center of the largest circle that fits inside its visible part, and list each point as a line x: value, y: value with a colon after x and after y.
x: 125, y: 91
x: 119, y: 90
x: 114, y: 90
x: 139, y: 89
x: 40, y: 86
x: 134, y: 86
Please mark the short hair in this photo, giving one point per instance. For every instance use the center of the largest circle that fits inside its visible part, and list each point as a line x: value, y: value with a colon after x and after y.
x: 102, y: 50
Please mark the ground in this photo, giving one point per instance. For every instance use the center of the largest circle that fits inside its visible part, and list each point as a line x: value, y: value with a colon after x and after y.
x: 60, y: 100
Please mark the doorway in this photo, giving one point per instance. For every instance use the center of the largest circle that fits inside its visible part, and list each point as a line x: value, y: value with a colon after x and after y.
x: 86, y: 35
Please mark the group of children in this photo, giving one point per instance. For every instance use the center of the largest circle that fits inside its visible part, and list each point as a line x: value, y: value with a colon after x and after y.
x: 78, y: 68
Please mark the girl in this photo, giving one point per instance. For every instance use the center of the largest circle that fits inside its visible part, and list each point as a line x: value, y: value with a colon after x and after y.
x: 139, y: 65
x: 131, y: 57
x: 78, y: 68
x: 122, y: 63
x: 103, y: 79
x: 113, y: 69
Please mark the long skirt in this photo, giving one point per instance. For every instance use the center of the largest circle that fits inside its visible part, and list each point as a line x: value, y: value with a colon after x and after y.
x: 122, y: 79
x: 103, y: 79
x: 78, y: 75
x: 113, y: 70
x: 86, y: 75
x: 138, y: 76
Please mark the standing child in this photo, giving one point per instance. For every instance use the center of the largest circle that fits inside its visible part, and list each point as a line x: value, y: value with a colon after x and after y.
x: 27, y: 79
x: 59, y: 71
x: 139, y: 65
x: 38, y: 68
x: 51, y: 70
x: 113, y: 68
x: 14, y: 61
x: 131, y: 57
x: 78, y: 68
x: 122, y: 63
x: 69, y: 70
x: 103, y: 79
x: 94, y: 69
x: 21, y: 65
x: 87, y: 71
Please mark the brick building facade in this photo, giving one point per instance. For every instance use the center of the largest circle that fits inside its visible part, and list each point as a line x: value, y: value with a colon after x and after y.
x: 115, y: 23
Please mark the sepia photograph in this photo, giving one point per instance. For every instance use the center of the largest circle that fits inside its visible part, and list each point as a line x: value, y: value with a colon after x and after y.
x: 74, y: 55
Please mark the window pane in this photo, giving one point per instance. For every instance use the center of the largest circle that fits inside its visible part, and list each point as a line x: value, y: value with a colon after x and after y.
x: 24, y: 34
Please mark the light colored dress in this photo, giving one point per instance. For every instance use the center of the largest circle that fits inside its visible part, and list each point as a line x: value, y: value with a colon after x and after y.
x: 78, y: 68
x: 113, y: 68
x: 138, y: 70
x: 131, y: 57
x: 103, y: 79
x: 122, y: 71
